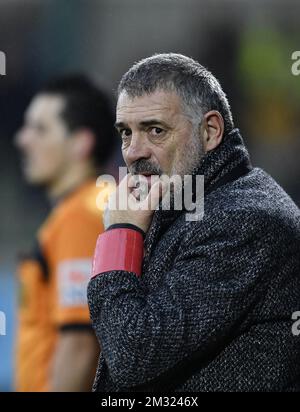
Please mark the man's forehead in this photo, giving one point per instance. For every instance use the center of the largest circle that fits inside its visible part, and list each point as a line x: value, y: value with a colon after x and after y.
x: 159, y: 103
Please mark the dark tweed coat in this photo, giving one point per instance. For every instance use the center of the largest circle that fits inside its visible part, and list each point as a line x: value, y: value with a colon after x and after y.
x: 212, y: 310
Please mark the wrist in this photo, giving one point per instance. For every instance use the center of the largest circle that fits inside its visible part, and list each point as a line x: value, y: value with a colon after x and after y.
x: 127, y: 226
x: 120, y: 247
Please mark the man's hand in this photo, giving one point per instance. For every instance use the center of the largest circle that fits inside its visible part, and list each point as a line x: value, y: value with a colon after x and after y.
x: 133, y: 203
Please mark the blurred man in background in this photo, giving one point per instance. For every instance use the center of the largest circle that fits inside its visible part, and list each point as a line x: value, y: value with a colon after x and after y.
x: 66, y: 139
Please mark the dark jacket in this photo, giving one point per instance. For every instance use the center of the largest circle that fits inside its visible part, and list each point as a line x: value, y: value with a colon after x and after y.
x: 213, y: 308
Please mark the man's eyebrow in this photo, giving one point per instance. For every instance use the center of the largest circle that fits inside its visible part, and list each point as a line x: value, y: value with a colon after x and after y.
x: 150, y: 122
x: 143, y: 123
x: 120, y: 125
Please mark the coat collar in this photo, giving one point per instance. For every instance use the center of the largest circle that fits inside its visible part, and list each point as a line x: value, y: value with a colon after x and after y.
x: 226, y: 163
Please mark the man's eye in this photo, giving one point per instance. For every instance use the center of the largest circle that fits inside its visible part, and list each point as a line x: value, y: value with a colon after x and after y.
x: 155, y: 131
x: 125, y: 133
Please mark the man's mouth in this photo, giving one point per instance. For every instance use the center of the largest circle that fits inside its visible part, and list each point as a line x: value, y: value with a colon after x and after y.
x: 149, y: 176
x: 146, y: 180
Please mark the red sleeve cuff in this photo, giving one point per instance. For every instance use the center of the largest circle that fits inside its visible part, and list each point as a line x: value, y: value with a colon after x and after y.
x: 119, y: 249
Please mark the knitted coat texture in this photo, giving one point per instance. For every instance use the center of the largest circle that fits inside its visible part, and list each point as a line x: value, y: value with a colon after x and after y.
x: 213, y: 308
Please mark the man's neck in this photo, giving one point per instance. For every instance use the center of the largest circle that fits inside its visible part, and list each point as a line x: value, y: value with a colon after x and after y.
x: 68, y: 182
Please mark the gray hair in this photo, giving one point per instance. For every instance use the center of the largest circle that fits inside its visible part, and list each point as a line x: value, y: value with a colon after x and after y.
x: 198, y: 88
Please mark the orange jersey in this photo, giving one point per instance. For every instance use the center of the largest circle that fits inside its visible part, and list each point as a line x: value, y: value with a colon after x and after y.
x: 54, y: 282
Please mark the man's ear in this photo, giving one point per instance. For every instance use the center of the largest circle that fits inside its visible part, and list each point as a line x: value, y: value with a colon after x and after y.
x: 83, y: 142
x: 212, y: 130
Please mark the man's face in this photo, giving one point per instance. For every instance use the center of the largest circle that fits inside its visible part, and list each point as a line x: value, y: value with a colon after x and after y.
x: 157, y: 136
x: 43, y: 140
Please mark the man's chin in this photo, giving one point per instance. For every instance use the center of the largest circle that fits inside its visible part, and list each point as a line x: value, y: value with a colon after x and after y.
x: 35, y: 180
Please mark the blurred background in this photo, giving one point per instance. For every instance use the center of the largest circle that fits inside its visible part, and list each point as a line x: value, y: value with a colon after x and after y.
x: 247, y: 44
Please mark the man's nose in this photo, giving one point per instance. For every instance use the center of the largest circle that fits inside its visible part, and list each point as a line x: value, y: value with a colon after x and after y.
x: 137, y: 149
x: 22, y: 138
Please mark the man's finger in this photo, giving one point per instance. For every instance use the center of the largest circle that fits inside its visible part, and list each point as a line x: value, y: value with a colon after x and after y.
x: 157, y: 191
